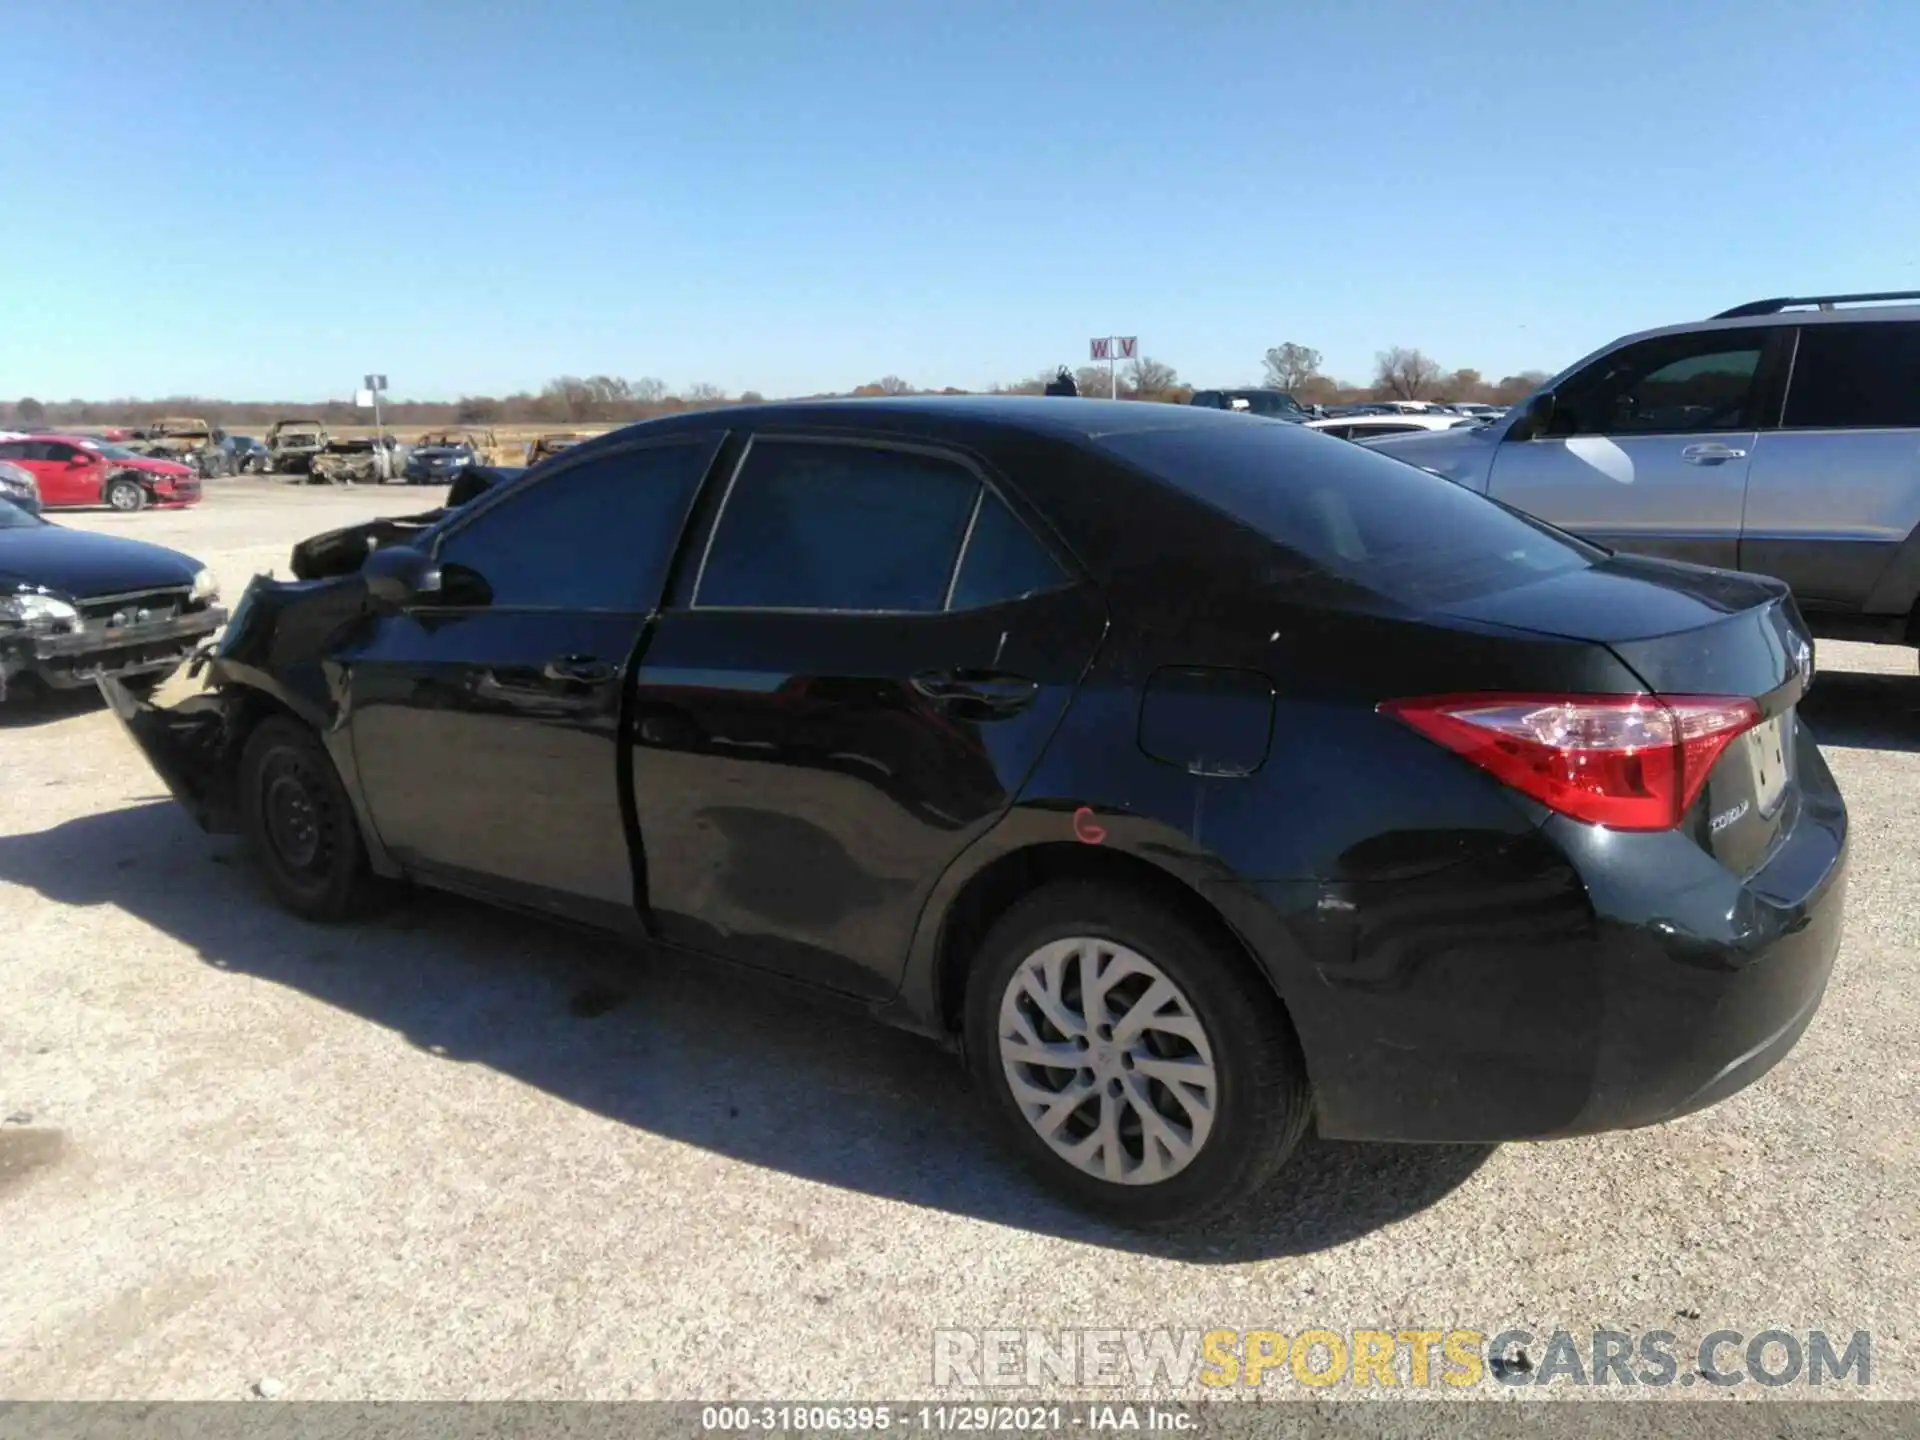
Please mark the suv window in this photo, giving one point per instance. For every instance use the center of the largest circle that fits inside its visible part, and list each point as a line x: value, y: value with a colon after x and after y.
x: 597, y: 536
x: 1855, y: 377
x: 1207, y: 397
x: 812, y: 526
x: 1673, y: 385
x: 1003, y: 560
x: 1352, y: 513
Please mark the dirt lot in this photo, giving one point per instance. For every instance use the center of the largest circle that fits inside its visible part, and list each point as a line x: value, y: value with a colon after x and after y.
x: 457, y: 1154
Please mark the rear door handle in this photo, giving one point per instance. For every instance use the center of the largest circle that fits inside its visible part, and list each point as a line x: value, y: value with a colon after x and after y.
x: 580, y: 669
x: 1711, y: 454
x: 988, y: 692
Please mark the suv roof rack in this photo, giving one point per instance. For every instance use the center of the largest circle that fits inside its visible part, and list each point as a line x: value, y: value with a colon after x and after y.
x: 1825, y: 302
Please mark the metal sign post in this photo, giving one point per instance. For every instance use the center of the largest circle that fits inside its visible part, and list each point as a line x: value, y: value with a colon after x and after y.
x: 1112, y: 349
x: 375, y: 384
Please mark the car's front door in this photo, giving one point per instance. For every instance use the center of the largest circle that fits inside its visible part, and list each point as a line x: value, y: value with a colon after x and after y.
x: 849, y: 687
x: 485, y: 723
x: 1647, y: 449
x: 51, y: 463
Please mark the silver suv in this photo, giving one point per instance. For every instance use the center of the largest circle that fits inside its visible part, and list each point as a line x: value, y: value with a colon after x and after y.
x: 1781, y: 436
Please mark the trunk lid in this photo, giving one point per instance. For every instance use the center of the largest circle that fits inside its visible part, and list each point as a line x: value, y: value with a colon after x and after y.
x: 1688, y: 630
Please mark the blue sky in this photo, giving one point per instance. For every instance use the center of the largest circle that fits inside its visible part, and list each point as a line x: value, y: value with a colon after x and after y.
x: 264, y: 201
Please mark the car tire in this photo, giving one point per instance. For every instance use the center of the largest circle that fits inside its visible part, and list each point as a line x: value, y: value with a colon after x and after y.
x: 1234, y: 1040
x: 125, y: 495
x: 296, y: 816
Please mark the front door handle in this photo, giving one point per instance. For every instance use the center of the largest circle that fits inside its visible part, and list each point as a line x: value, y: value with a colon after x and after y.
x: 986, y: 693
x: 1711, y: 454
x: 580, y: 669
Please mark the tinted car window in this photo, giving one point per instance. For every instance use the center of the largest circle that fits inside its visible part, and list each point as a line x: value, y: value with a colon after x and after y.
x: 53, y: 450
x: 13, y: 450
x: 1855, y: 376
x: 594, y: 537
x: 837, y: 527
x: 1352, y: 513
x: 1003, y: 560
x: 1673, y: 385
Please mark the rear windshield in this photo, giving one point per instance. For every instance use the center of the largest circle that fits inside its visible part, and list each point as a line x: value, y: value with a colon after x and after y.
x: 1345, y: 511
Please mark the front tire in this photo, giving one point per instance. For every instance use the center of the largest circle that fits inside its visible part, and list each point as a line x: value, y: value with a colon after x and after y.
x: 125, y: 495
x: 1137, y: 1066
x: 301, y: 825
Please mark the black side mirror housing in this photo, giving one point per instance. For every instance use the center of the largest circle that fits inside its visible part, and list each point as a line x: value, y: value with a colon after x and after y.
x: 399, y: 575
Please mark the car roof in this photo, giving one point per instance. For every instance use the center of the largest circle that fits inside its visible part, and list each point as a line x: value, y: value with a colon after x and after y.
x: 1056, y: 416
x: 1863, y: 314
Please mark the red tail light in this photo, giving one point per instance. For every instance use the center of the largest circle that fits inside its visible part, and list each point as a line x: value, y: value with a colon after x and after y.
x: 1632, y: 762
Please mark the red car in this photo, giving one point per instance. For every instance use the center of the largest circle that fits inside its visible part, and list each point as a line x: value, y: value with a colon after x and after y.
x: 79, y: 470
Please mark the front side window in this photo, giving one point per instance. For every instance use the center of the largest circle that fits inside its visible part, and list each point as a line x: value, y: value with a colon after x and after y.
x: 597, y: 536
x: 1854, y: 377
x: 812, y: 526
x: 1674, y: 385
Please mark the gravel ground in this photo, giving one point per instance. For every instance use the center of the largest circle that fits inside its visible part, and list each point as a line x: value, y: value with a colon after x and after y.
x: 457, y: 1154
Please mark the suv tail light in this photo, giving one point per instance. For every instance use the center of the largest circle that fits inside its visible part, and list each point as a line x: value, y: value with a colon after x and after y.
x: 1631, y: 762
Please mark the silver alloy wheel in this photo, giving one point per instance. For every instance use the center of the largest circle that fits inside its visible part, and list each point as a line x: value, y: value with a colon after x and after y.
x: 124, y: 496
x: 1108, y: 1061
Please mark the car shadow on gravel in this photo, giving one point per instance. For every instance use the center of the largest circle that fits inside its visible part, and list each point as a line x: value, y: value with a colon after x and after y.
x: 1864, y: 710
x: 696, y: 1055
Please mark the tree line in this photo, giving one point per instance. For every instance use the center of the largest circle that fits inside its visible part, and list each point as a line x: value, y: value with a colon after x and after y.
x: 1400, y: 373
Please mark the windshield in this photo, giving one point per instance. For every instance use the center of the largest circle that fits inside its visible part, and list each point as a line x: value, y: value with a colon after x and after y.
x: 1349, y: 512
x: 12, y: 517
x: 113, y: 452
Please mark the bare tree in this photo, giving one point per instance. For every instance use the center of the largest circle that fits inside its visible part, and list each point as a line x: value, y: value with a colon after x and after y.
x: 703, y: 394
x: 893, y: 385
x: 29, y: 410
x: 1512, y: 389
x: 1092, y: 380
x: 1405, y: 374
x: 752, y: 397
x: 1289, y: 366
x: 649, y: 390
x: 1150, y: 379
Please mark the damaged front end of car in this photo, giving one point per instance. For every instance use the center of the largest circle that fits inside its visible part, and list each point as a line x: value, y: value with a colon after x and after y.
x: 273, y: 658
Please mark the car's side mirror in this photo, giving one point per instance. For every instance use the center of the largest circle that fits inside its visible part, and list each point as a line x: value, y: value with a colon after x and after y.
x: 399, y: 575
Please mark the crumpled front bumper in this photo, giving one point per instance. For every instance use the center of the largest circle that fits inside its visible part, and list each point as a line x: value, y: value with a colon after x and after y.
x: 188, y: 744
x: 83, y: 657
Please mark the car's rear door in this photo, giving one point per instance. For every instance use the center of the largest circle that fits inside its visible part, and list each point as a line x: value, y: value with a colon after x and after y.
x: 1834, y: 493
x: 850, y: 685
x: 1648, y: 447
x: 485, y: 725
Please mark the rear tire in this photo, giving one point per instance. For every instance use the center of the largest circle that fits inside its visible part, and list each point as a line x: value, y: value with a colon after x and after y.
x: 125, y: 495
x: 1136, y: 1149
x: 301, y: 825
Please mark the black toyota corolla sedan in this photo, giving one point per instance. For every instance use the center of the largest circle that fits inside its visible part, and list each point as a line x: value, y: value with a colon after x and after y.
x: 1194, y: 775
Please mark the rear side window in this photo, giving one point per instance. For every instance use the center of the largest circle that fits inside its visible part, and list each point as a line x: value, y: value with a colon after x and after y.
x: 597, y: 536
x: 1003, y: 560
x: 811, y: 526
x: 1352, y: 513
x: 13, y: 450
x: 1855, y: 377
